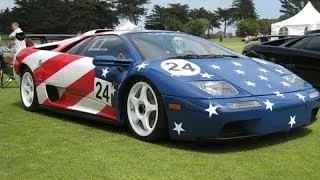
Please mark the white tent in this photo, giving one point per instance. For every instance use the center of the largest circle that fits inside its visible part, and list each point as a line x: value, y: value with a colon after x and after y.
x: 127, y: 26
x: 307, y: 19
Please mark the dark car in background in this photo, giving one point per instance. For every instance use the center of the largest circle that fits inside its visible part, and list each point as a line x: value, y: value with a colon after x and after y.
x: 299, y: 54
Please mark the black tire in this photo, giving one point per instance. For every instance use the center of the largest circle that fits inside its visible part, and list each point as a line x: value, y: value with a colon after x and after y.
x: 160, y: 131
x: 33, y: 104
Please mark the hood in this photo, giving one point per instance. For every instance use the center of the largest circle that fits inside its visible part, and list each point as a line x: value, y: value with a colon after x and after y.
x: 255, y: 76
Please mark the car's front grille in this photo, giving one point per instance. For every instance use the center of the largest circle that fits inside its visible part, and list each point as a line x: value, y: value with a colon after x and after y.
x: 236, y: 129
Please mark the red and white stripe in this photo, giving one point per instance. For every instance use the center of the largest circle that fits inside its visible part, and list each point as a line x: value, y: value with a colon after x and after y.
x: 73, y: 75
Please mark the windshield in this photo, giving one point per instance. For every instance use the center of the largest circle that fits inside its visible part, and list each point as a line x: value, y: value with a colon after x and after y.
x: 164, y: 45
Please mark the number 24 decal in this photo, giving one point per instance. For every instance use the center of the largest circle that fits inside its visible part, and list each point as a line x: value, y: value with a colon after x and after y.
x: 103, y: 92
x: 175, y: 67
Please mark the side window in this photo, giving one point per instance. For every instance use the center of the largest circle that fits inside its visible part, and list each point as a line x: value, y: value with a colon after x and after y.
x: 109, y: 45
x: 77, y: 47
x: 299, y: 43
x: 313, y: 44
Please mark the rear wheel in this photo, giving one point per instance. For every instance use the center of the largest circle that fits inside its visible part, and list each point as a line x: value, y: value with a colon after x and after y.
x: 145, y: 113
x: 28, y: 91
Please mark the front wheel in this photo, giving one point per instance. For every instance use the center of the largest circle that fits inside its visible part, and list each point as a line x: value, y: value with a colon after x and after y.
x: 28, y: 91
x: 145, y: 112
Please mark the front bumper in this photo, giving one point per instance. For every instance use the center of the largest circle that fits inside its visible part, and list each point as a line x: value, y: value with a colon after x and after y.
x: 192, y: 122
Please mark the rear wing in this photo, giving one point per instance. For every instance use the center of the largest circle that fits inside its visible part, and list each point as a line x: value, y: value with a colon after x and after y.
x: 45, y: 38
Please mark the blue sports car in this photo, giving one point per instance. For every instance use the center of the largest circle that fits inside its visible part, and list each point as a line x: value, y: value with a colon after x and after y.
x: 165, y: 84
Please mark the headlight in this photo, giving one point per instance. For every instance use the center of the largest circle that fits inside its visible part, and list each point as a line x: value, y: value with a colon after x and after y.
x: 216, y: 87
x: 294, y: 79
x: 242, y: 105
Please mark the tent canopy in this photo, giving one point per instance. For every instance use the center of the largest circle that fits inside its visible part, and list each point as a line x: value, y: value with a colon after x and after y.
x: 307, y: 19
x: 127, y: 26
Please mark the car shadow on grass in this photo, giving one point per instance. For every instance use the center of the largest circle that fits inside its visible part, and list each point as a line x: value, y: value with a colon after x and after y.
x: 230, y: 146
x: 222, y: 146
x: 52, y: 114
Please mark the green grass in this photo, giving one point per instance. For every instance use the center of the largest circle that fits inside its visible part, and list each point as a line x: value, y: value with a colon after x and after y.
x: 46, y: 145
x: 233, y: 43
x: 4, y: 39
x: 4, y: 36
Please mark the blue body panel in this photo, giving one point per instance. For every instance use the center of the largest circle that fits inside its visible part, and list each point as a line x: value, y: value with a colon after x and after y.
x: 193, y: 119
x: 256, y: 121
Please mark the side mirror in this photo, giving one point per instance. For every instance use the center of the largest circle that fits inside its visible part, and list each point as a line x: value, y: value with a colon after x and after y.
x: 110, y: 61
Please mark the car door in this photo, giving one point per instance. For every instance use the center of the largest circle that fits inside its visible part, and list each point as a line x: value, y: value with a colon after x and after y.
x: 93, y: 89
x: 306, y: 61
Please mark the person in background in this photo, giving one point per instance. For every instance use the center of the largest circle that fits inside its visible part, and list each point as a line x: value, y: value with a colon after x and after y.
x: 220, y: 38
x: 18, y: 36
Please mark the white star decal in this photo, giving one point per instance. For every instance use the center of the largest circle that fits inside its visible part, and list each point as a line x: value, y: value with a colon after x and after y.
x: 279, y: 71
x: 285, y: 84
x: 178, y: 128
x: 300, y: 96
x: 249, y: 83
x: 142, y: 66
x: 263, y: 70
x: 260, y: 61
x: 212, y: 110
x: 269, y: 86
x: 278, y: 94
x: 206, y: 75
x: 215, y: 67
x: 268, y: 104
x: 104, y: 72
x: 236, y: 64
x: 263, y: 77
x: 240, y: 72
x: 292, y: 121
x: 113, y: 90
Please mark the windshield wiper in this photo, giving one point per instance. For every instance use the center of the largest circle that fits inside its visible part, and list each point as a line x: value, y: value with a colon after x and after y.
x: 196, y: 56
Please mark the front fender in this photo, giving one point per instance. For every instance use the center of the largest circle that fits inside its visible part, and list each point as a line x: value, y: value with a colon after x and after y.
x: 173, y: 85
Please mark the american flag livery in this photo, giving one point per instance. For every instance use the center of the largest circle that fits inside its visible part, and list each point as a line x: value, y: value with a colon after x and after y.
x: 187, y: 97
x: 77, y: 79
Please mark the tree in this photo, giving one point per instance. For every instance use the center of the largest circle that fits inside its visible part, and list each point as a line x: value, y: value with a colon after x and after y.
x: 41, y: 16
x: 202, y: 13
x: 90, y: 14
x: 174, y: 25
x: 243, y: 9
x: 293, y: 7
x: 179, y: 12
x: 61, y: 16
x: 265, y: 25
x: 225, y: 16
x: 132, y: 9
x: 157, y: 18
x: 173, y: 17
x: 178, y: 17
x: 247, y: 27
x: 197, y: 27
